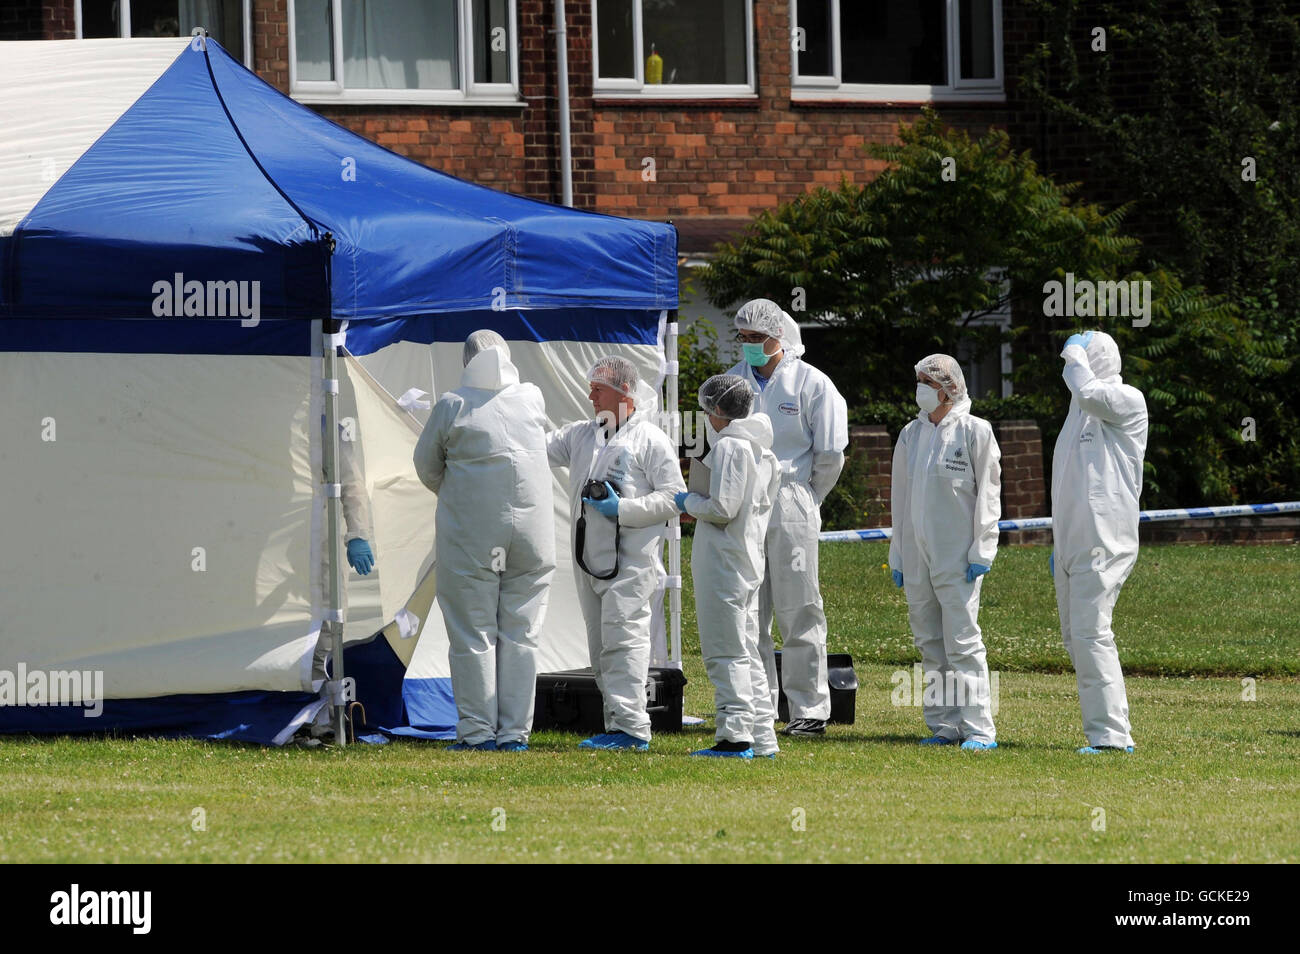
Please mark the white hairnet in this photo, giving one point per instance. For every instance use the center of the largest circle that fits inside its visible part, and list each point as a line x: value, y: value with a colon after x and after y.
x: 727, y: 395
x: 617, y: 373
x: 791, y: 337
x: 1103, y: 355
x: 945, y: 370
x: 481, y: 340
x: 762, y: 315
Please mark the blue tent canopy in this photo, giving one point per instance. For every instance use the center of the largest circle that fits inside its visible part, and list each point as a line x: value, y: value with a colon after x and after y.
x: 215, y: 176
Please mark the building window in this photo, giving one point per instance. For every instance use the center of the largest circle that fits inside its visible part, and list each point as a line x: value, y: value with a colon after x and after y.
x: 225, y: 20
x: 403, y: 51
x: 897, y: 50
x: 673, y: 48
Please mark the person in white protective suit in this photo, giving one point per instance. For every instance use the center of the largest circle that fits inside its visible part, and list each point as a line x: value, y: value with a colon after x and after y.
x: 356, y: 514
x: 1096, y: 483
x: 727, y: 565
x: 810, y: 431
x: 945, y: 491
x: 483, y: 452
x: 631, y: 467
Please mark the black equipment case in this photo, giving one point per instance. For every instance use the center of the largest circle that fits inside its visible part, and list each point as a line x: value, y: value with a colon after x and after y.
x: 844, y: 689
x: 570, y: 702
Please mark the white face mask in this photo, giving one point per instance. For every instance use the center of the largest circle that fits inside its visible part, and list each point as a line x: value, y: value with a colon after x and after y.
x: 927, y: 398
x: 711, y: 431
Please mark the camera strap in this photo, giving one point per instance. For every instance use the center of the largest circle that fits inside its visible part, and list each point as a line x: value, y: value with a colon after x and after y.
x: 580, y: 546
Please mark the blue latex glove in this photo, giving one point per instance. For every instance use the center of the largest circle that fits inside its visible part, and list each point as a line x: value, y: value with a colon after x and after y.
x: 1080, y: 340
x: 898, y: 578
x: 1051, y: 563
x: 680, y: 500
x: 608, y: 506
x: 360, y: 556
x: 975, y: 569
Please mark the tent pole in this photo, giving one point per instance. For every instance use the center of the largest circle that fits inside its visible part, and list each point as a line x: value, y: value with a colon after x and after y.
x: 333, y: 609
x: 675, y: 538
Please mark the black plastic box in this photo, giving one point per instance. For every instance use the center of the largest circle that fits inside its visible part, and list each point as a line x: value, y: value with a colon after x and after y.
x: 844, y: 689
x: 570, y: 702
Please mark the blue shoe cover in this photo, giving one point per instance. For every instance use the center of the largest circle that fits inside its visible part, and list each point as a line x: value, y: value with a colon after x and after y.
x: 488, y: 746
x: 975, y: 745
x: 937, y: 740
x: 595, y: 742
x: 1100, y: 749
x: 621, y: 740
x: 714, y: 753
x: 513, y: 746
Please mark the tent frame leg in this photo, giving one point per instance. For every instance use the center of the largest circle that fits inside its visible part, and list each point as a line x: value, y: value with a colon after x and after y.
x: 334, y: 610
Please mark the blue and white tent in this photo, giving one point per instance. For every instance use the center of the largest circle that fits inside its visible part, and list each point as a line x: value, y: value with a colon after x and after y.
x: 179, y: 242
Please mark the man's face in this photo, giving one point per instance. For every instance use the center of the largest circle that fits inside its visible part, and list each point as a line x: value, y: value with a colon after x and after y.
x: 606, y: 402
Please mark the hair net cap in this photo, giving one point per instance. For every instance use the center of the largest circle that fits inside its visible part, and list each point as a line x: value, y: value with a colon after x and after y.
x: 946, y: 372
x: 1103, y: 355
x: 762, y: 315
x: 617, y: 373
x: 481, y: 340
x: 727, y: 395
x: 792, y: 337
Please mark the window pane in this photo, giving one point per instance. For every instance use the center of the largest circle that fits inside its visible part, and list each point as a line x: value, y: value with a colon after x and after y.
x: 155, y: 18
x: 313, y: 37
x: 976, y: 22
x: 894, y: 41
x: 99, y: 18
x: 815, y: 21
x: 700, y: 41
x: 400, y: 44
x: 614, y: 40
x: 491, y: 41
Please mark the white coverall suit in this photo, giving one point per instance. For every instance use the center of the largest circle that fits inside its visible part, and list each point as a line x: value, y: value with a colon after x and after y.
x: 641, y: 462
x: 810, y: 430
x: 727, y: 565
x: 483, y: 452
x: 946, y: 502
x: 1096, y: 482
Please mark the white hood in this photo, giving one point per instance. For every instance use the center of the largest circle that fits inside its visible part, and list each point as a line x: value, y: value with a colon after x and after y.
x: 1103, y: 356
x: 757, y: 429
x: 490, y: 370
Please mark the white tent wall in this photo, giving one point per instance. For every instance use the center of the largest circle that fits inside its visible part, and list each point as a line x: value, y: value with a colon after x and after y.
x: 559, y: 369
x: 163, y: 535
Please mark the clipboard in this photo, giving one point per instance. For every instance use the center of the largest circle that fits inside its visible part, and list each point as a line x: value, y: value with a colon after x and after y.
x: 699, y: 479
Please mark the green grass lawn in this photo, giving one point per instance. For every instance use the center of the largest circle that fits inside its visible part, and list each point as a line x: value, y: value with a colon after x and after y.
x: 1214, y: 777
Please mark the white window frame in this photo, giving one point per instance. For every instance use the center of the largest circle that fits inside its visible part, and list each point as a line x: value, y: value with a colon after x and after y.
x: 124, y: 18
x: 470, y: 93
x: 958, y: 89
x: 619, y: 88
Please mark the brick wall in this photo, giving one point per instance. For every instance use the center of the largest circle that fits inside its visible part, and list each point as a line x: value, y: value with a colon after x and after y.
x: 871, y: 443
x: 739, y: 157
x: 59, y: 19
x: 1024, y: 488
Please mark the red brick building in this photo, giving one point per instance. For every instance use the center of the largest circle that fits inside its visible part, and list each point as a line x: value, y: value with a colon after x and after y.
x: 704, y: 112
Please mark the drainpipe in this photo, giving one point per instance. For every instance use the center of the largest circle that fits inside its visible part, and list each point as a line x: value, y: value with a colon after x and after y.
x: 562, y: 93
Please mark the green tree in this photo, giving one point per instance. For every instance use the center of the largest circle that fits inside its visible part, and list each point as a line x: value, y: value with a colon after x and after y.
x: 955, y: 229
x: 1192, y: 114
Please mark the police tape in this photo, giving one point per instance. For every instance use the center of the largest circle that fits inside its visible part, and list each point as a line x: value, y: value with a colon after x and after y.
x: 1045, y: 523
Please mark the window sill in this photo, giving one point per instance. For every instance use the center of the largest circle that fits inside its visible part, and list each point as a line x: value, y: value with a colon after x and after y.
x: 373, y: 99
x: 830, y: 97
x: 612, y: 100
